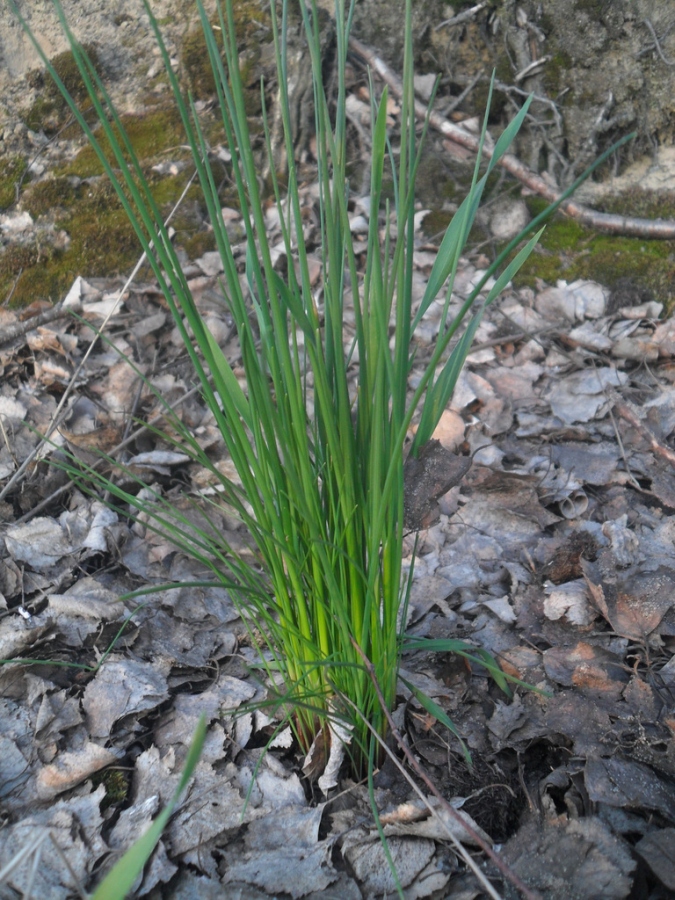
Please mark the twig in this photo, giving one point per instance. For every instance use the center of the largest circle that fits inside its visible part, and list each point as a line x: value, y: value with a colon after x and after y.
x: 623, y: 409
x: 614, y: 224
x: 657, y: 44
x: 622, y: 449
x: 16, y: 331
x: 122, y: 444
x: 457, y: 101
x: 513, y: 338
x: 506, y: 871
x: 461, y: 17
x: 9, y: 296
x: 459, y: 847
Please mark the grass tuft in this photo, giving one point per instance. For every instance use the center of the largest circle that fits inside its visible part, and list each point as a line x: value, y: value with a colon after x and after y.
x: 318, y: 442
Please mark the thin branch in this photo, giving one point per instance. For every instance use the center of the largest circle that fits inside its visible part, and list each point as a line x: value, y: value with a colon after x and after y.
x: 461, y: 17
x: 17, y: 331
x: 614, y: 224
x: 122, y: 444
x: 459, y: 847
x: 657, y: 44
x: 622, y: 409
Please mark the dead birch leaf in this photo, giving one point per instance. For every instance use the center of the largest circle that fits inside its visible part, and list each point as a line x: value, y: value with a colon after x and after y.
x: 71, y: 768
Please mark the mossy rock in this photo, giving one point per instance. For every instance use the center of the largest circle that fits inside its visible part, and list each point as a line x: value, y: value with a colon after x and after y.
x: 102, y: 240
x: 16, y: 258
x: 49, y: 196
x: 102, y: 243
x: 50, y: 111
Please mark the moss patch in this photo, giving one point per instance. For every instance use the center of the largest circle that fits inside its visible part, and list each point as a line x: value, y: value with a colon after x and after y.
x: 102, y: 240
x: 50, y: 195
x: 50, y: 111
x: 150, y: 135
x: 252, y: 29
x: 116, y: 783
x: 198, y: 244
x: 569, y: 250
x: 11, y: 170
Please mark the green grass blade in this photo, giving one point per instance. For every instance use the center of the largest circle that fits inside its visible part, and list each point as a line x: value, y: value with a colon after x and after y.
x: 440, y: 392
x: 438, y: 713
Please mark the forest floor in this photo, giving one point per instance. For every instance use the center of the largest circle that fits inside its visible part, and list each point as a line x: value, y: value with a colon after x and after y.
x: 555, y: 553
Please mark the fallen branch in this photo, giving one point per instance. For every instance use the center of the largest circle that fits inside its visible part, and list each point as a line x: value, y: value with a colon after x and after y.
x: 663, y: 229
x: 16, y: 331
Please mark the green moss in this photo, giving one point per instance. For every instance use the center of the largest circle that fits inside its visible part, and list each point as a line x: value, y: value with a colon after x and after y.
x: 150, y: 134
x: 102, y: 243
x: 194, y: 58
x: 17, y: 257
x: 12, y: 169
x: 50, y: 111
x: 252, y: 28
x: 569, y: 250
x: 200, y: 243
x: 116, y: 783
x: 49, y: 195
x: 102, y: 240
x: 436, y: 222
x: 554, y: 72
x: 642, y: 203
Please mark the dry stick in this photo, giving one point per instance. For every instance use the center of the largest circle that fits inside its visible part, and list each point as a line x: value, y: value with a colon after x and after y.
x: 17, y: 331
x: 660, y: 449
x: 9, y: 296
x: 657, y: 44
x: 459, y: 847
x: 506, y: 871
x: 622, y: 450
x: 461, y: 17
x: 55, y: 418
x: 647, y: 228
